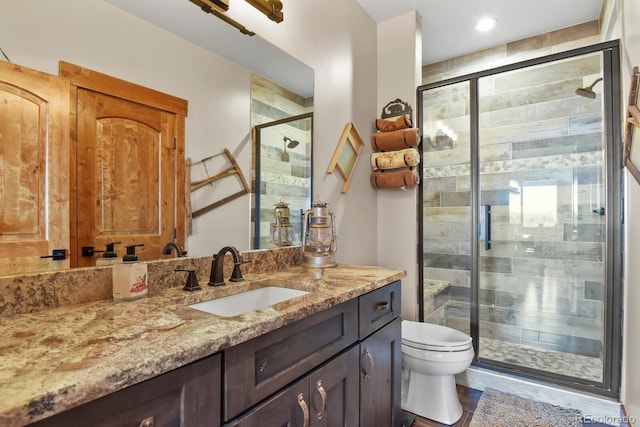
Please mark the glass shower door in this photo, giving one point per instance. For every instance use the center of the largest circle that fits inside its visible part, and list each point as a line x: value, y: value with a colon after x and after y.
x: 542, y: 210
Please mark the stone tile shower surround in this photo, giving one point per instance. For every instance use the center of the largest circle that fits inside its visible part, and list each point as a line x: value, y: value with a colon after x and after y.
x: 449, y: 306
x: 542, y: 281
x: 32, y: 293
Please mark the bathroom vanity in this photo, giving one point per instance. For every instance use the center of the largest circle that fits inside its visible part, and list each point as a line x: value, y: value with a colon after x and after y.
x: 330, y: 357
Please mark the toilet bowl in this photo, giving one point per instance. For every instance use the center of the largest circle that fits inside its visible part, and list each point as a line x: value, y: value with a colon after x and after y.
x: 431, y: 357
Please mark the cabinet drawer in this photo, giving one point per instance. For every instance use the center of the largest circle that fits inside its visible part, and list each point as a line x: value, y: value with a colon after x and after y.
x: 188, y: 396
x: 259, y: 367
x: 379, y: 307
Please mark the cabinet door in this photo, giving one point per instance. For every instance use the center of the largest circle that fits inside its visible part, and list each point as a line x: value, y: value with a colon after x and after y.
x: 34, y: 169
x: 288, y: 408
x: 126, y: 165
x: 128, y: 152
x: 334, y: 392
x: 380, y: 360
x: 186, y: 397
x: 260, y: 367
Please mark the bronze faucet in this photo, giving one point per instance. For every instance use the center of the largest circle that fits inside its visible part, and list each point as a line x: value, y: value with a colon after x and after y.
x: 180, y: 252
x: 216, y: 276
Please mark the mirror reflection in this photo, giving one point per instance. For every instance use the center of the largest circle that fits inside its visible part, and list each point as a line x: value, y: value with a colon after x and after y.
x: 283, y: 180
x: 198, y: 80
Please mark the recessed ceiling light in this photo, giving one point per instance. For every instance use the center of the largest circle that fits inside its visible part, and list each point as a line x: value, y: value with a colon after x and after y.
x: 485, y: 24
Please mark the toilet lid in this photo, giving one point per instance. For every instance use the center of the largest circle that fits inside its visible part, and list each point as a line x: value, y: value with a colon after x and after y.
x: 429, y: 336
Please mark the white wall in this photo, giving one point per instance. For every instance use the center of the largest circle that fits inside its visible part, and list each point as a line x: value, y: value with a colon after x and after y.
x: 399, y: 73
x: 630, y: 394
x: 335, y: 37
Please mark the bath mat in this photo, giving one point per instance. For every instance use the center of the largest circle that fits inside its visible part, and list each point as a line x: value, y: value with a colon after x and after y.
x: 498, y: 409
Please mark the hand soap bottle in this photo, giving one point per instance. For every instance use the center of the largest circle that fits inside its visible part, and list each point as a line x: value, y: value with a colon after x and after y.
x: 130, y: 276
x: 110, y: 256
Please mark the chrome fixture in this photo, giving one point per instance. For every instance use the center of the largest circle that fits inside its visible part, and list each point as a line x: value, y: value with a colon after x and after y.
x: 282, y: 232
x: 180, y: 252
x: 319, y: 236
x: 587, y: 92
x: 216, y: 277
x: 292, y: 144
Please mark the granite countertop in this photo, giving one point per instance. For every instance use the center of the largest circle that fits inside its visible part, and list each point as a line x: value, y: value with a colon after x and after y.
x: 60, y: 358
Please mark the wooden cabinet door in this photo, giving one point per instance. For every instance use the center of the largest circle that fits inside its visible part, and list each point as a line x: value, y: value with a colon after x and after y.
x: 380, y: 361
x: 334, y: 392
x: 34, y: 169
x: 128, y: 151
x: 288, y: 408
x: 126, y: 175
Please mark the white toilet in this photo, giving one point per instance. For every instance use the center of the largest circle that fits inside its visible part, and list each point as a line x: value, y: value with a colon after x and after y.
x: 431, y: 357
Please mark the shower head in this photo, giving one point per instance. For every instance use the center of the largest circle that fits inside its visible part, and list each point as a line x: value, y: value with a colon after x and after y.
x: 587, y: 92
x: 292, y: 144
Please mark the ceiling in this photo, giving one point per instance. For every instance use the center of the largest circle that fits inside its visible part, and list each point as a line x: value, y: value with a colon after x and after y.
x: 447, y: 29
x: 448, y: 25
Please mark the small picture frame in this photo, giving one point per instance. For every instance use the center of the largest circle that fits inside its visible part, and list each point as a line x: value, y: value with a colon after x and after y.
x: 632, y: 130
x: 346, y: 155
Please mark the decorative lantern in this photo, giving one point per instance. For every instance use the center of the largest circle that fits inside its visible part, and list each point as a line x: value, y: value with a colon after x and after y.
x: 282, y: 232
x: 319, y: 236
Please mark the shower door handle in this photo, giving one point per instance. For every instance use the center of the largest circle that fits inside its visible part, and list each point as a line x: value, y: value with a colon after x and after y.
x: 487, y: 221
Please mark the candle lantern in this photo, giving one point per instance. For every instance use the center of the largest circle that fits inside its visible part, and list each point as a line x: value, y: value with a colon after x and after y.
x: 319, y: 236
x: 282, y: 232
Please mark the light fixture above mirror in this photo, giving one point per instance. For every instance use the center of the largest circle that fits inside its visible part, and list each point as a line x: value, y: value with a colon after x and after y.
x: 271, y: 8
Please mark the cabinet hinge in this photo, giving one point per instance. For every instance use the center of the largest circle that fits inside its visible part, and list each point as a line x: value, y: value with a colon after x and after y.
x: 175, y: 143
x: 175, y: 233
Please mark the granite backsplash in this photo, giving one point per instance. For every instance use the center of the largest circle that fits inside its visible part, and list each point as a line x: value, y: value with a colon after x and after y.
x: 30, y: 293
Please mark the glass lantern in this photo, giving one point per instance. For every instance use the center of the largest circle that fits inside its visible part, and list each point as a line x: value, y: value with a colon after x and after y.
x: 282, y: 232
x: 319, y: 236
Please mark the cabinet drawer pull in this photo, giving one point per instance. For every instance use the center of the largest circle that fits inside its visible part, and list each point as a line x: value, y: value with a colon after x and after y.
x: 367, y: 373
x: 323, y: 394
x: 148, y: 422
x: 381, y: 306
x: 305, y: 410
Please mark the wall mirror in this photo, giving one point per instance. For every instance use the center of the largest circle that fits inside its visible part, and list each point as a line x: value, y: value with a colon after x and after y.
x: 268, y: 62
x: 283, y: 171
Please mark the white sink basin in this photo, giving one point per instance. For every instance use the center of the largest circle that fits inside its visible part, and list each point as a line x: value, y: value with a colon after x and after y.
x: 244, y: 302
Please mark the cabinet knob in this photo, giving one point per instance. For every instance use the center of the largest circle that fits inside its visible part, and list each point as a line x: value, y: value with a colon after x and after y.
x: 305, y: 410
x: 148, y: 422
x: 323, y: 394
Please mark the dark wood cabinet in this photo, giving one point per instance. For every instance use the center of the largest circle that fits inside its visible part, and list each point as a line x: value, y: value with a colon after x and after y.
x: 380, y: 361
x: 336, y: 368
x: 186, y: 397
x: 310, y: 386
x: 326, y: 397
x: 260, y: 367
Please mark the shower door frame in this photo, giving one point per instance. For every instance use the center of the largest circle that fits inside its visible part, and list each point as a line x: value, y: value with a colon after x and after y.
x: 614, y: 221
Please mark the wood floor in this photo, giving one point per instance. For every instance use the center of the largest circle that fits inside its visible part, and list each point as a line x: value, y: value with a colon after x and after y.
x: 469, y: 401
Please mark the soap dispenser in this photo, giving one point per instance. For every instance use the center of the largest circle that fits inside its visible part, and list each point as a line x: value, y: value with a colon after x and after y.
x: 110, y: 256
x: 130, y: 276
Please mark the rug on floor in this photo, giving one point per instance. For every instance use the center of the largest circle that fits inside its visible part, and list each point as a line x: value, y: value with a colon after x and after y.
x: 498, y: 409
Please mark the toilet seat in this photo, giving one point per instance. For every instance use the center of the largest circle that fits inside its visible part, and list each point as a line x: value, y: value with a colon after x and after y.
x: 432, y: 337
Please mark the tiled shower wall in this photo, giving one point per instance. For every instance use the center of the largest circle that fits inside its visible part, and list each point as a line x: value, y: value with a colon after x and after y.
x: 291, y: 180
x: 542, y: 283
